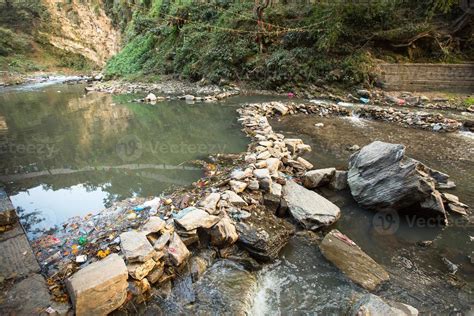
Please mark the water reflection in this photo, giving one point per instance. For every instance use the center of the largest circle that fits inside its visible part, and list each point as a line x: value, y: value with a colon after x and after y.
x: 65, y: 153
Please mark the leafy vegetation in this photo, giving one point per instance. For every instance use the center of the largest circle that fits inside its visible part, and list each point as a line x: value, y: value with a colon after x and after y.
x: 297, y: 44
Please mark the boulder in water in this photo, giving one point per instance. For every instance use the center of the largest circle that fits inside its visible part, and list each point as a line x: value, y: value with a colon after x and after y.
x: 370, y: 304
x: 309, y: 208
x: 352, y: 261
x: 381, y: 177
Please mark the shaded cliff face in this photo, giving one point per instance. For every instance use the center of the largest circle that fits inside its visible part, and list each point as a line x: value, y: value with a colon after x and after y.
x: 82, y: 27
x: 51, y: 34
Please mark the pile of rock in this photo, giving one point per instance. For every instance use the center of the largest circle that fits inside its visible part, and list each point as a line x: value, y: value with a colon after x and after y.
x: 166, y: 87
x: 415, y: 119
x: 153, y: 99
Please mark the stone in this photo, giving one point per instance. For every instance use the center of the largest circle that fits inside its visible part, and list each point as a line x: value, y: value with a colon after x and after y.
x: 153, y: 225
x: 272, y: 199
x: 264, y: 155
x: 223, y: 233
x: 339, y: 181
x: 305, y: 163
x: 263, y: 234
x: 381, y: 177
x: 352, y: 261
x: 291, y: 143
x: 237, y: 186
x: 156, y: 274
x: 280, y: 107
x: 250, y: 159
x: 273, y: 164
x: 17, y: 259
x: 151, y: 98
x: 317, y: 178
x: 264, y: 178
x: 241, y: 174
x: 234, y: 199
x: 319, y: 125
x: 210, y: 203
x: 8, y: 214
x: 364, y: 93
x: 140, y: 290
x: 371, y: 304
x: 194, y: 218
x: 218, y: 295
x: 136, y: 247
x: 27, y: 297
x: 140, y: 270
x: 310, y: 209
x: 253, y: 185
x: 453, y: 204
x: 162, y: 241
x: 189, y: 97
x: 99, y: 288
x: 177, y: 250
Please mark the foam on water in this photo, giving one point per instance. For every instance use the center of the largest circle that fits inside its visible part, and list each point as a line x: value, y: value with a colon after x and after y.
x: 466, y: 134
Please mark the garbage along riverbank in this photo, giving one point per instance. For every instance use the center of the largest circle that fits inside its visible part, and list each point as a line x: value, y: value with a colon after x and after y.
x: 238, y: 203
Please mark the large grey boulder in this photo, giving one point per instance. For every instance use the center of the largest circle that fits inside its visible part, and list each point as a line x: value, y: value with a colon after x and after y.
x: 309, y: 208
x: 381, y: 177
x: 99, y: 288
x: 352, y: 261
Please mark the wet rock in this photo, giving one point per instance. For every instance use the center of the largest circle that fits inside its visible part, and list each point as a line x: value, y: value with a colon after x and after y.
x: 317, y: 178
x: 226, y: 288
x: 280, y: 107
x: 233, y: 198
x: 7, y: 211
x: 210, y: 203
x: 99, y: 288
x: 352, y: 261
x: 237, y: 186
x: 309, y: 208
x: 136, y: 247
x: 223, y: 233
x: 192, y: 218
x: 139, y: 271
x: 27, y: 297
x: 339, y: 181
x: 263, y: 234
x: 381, y: 177
x: 251, y: 158
x: 364, y: 93
x: 153, y: 225
x: 272, y: 199
x: 371, y: 304
x: 177, y: 250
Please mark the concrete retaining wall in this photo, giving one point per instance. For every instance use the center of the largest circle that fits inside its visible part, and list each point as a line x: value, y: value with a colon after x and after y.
x: 428, y: 77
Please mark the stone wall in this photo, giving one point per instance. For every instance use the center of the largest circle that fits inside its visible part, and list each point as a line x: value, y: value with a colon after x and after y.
x: 428, y: 77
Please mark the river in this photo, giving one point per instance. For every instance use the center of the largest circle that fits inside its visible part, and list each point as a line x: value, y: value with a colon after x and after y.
x: 65, y: 153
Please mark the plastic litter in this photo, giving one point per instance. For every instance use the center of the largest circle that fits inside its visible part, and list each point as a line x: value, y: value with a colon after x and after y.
x: 364, y: 100
x: 81, y: 259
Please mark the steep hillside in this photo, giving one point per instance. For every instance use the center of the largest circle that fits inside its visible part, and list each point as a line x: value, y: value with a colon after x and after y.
x: 280, y: 45
x: 50, y: 35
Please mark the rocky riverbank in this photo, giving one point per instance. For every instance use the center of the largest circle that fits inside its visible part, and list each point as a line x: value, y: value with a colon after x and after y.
x: 242, y: 212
